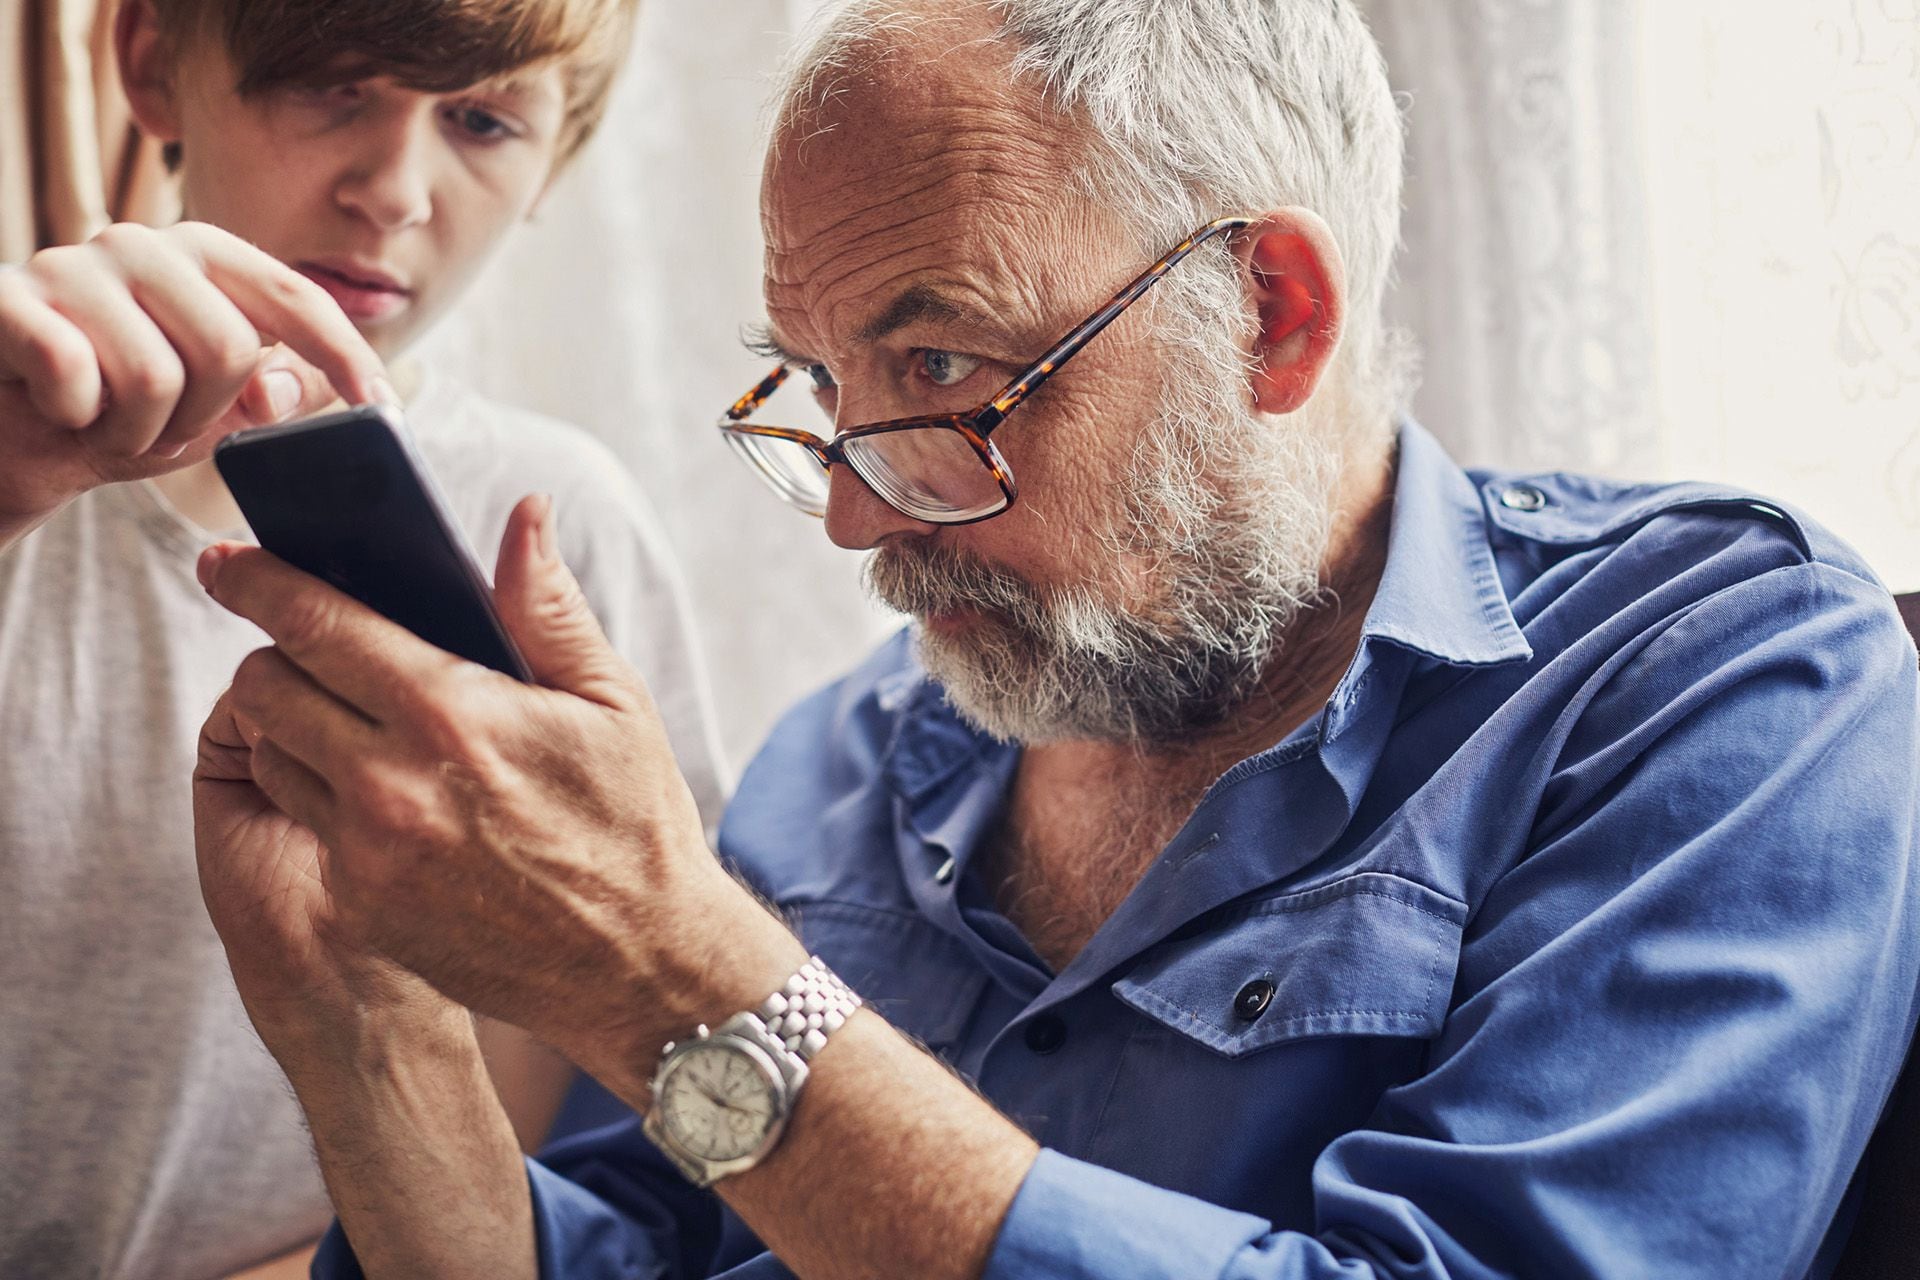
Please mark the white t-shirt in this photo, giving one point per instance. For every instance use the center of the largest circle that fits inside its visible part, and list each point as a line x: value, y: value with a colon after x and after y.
x: 144, y: 1131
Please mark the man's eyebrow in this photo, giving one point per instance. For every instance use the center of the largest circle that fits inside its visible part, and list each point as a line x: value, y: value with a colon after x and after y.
x: 918, y: 302
x: 924, y: 302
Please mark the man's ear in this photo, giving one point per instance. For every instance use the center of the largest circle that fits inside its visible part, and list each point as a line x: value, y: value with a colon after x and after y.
x: 1299, y: 285
x: 146, y: 60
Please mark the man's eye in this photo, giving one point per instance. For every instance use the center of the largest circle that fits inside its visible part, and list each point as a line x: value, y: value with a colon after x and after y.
x: 947, y: 368
x: 822, y: 380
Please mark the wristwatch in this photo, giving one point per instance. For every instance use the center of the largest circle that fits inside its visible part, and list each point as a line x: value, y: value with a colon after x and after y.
x: 721, y: 1099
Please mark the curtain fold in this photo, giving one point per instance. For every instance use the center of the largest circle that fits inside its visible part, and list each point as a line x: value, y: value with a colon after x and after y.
x: 71, y: 159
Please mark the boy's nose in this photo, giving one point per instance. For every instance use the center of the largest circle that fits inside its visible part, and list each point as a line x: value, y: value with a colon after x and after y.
x: 390, y: 183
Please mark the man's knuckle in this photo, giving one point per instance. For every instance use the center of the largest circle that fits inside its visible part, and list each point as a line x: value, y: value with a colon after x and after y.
x: 271, y: 770
x: 561, y: 605
x: 401, y: 817
x: 451, y: 732
x: 308, y: 621
x: 390, y: 807
x: 253, y: 675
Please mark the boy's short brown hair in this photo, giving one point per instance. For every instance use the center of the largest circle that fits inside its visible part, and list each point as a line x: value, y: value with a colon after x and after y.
x: 436, y: 46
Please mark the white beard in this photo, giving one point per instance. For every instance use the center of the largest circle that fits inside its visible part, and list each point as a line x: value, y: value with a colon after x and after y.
x: 1231, y: 513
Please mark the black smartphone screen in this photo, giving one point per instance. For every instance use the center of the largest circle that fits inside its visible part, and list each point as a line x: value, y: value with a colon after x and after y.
x: 343, y: 497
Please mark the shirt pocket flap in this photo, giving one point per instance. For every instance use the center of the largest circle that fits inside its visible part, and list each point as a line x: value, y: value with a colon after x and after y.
x: 1368, y: 955
x: 916, y: 977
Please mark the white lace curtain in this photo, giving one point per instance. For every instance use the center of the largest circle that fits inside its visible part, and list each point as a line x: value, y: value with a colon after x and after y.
x: 1673, y: 238
x: 1653, y: 238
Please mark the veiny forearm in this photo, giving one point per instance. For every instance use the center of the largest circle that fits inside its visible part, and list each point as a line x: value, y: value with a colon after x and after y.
x: 531, y: 1079
x: 417, y: 1153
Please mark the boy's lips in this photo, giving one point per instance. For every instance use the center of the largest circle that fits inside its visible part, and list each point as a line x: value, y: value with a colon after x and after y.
x: 364, y: 293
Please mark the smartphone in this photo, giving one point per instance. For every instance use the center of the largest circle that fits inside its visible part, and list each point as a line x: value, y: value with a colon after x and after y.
x: 346, y: 497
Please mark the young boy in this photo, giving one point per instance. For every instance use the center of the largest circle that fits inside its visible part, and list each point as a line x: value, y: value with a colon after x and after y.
x: 347, y: 168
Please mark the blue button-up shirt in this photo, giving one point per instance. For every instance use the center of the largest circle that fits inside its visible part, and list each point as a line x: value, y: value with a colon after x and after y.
x: 1586, y: 905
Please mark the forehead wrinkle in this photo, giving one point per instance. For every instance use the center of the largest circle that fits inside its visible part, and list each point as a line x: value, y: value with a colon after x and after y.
x: 967, y: 281
x: 903, y: 186
x: 963, y: 204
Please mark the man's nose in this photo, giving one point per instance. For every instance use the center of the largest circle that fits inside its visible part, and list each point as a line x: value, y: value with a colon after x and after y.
x: 390, y: 183
x: 856, y: 517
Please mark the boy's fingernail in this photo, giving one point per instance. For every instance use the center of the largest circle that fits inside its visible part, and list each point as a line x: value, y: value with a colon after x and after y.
x: 283, y: 393
x: 383, y: 393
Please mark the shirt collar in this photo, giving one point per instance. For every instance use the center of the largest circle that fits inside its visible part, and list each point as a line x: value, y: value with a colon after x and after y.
x: 1440, y: 595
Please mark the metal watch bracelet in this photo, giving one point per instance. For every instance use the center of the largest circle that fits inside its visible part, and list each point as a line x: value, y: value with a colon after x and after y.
x: 812, y: 1005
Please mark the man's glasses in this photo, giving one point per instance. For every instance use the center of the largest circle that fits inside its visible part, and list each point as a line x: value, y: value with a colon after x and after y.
x: 941, y: 468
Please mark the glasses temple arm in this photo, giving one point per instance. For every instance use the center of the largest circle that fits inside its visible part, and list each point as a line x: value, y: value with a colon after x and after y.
x: 746, y: 404
x: 1065, y: 349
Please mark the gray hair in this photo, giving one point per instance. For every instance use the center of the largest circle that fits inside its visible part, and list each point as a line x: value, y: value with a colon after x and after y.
x: 1199, y: 109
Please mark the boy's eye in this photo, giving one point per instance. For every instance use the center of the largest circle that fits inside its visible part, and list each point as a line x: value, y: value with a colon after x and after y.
x: 822, y: 380
x: 480, y: 123
x: 947, y: 368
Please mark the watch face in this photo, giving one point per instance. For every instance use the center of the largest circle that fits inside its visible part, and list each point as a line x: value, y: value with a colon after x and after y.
x: 718, y: 1100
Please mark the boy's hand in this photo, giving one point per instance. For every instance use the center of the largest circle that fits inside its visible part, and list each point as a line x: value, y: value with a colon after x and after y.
x: 133, y: 354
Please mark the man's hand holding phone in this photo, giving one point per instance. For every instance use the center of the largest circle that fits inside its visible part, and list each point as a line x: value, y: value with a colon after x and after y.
x: 529, y: 849
x: 133, y: 354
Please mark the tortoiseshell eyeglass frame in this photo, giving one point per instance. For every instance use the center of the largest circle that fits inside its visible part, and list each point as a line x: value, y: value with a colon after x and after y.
x: 977, y: 426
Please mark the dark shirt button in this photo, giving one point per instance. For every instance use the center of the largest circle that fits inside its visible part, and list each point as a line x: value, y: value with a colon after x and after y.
x: 1046, y: 1034
x: 1253, y: 999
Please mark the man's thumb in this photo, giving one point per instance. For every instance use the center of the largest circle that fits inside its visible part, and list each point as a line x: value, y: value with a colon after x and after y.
x: 546, y: 613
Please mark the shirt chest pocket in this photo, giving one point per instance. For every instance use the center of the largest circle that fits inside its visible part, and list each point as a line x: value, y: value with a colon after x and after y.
x: 919, y: 979
x: 1368, y: 955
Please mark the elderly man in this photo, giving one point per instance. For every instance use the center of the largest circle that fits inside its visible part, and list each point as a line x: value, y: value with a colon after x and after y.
x: 1273, y: 853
